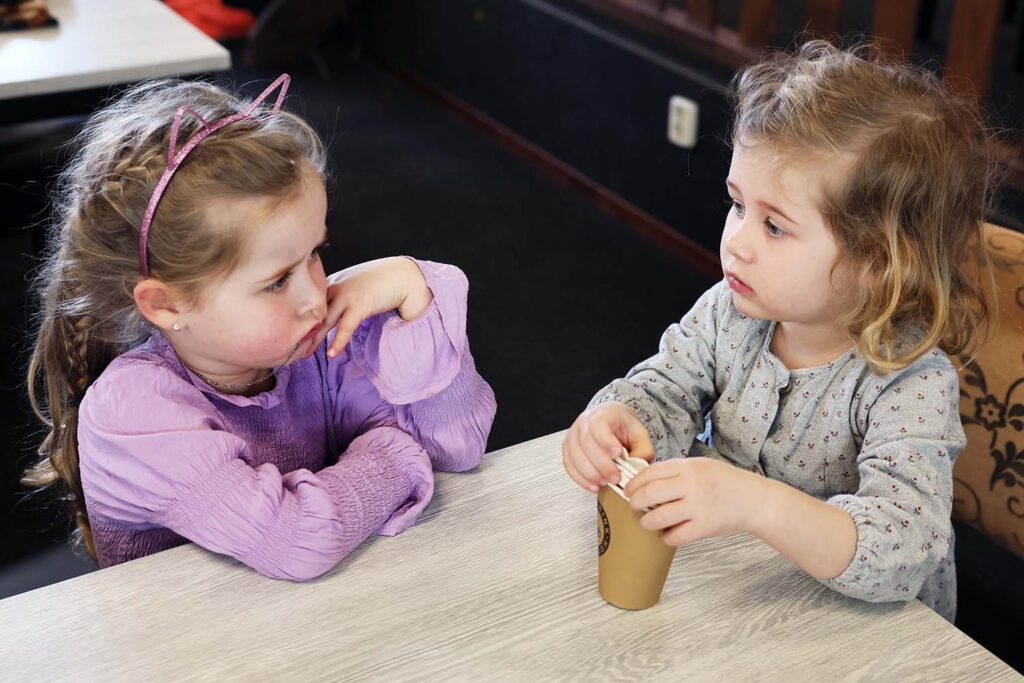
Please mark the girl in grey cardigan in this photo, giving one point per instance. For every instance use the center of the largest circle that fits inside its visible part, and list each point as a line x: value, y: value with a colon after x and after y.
x: 857, y: 188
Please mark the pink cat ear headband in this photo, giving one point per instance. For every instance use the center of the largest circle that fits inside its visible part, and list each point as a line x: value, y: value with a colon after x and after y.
x: 175, y: 158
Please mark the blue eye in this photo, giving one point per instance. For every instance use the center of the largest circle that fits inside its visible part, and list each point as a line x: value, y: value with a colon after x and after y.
x: 278, y: 284
x: 737, y: 207
x: 774, y: 230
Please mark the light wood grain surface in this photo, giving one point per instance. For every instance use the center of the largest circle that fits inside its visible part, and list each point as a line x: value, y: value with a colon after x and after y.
x: 498, y: 581
x: 103, y: 42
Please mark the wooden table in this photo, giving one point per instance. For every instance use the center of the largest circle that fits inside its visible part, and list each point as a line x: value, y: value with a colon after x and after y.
x: 104, y: 42
x: 498, y: 581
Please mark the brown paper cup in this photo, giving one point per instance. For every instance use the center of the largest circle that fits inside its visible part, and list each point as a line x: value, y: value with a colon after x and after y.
x: 632, y: 562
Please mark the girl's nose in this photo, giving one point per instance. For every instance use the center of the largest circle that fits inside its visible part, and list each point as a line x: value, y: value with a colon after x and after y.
x: 313, y: 293
x: 737, y: 244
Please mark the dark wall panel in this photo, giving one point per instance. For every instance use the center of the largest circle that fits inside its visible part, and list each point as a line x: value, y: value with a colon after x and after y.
x: 583, y: 89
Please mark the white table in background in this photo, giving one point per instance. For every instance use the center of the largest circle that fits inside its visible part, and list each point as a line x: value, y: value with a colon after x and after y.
x: 103, y: 42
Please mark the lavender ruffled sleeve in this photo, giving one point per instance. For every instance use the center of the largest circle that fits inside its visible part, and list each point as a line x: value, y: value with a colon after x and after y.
x: 174, y: 465
x: 418, y: 376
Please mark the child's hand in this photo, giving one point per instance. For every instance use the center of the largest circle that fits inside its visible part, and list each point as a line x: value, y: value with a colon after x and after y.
x: 596, y: 438
x: 367, y: 289
x: 695, y: 498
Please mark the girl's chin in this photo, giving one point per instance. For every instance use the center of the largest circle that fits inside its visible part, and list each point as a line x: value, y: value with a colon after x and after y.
x: 277, y: 361
x: 747, y: 308
x: 297, y: 352
x: 753, y: 312
x: 280, y: 357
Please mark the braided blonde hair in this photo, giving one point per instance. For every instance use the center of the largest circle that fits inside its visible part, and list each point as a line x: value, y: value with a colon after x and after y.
x: 87, y: 313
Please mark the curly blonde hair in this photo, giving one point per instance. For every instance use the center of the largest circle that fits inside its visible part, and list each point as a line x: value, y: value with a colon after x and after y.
x: 909, y: 215
x: 87, y: 308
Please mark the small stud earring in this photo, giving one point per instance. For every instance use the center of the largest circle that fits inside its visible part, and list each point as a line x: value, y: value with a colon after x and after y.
x: 176, y: 327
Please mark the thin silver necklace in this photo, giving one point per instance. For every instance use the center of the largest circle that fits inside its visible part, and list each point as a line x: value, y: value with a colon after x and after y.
x: 248, y: 385
x: 231, y: 385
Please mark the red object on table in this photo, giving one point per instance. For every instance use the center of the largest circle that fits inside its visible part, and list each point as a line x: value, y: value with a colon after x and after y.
x: 214, y: 18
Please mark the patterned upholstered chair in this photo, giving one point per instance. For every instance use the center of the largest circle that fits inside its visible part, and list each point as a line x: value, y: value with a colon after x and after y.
x: 989, y: 474
x: 988, y: 479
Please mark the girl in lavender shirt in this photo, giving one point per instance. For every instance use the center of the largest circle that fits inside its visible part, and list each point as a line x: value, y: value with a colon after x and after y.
x: 203, y: 379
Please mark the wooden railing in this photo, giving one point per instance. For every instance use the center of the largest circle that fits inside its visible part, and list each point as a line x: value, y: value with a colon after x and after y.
x: 968, y: 60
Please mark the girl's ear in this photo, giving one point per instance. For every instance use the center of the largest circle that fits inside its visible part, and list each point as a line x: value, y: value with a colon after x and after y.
x: 157, y: 303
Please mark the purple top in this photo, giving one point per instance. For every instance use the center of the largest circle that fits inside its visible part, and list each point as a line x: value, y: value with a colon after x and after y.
x: 291, y: 480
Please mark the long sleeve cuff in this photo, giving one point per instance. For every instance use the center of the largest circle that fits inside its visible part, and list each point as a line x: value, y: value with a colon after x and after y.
x: 383, y: 481
x: 888, y: 566
x: 453, y: 425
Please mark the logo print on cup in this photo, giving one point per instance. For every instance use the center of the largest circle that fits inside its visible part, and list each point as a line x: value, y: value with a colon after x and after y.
x: 606, y: 532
